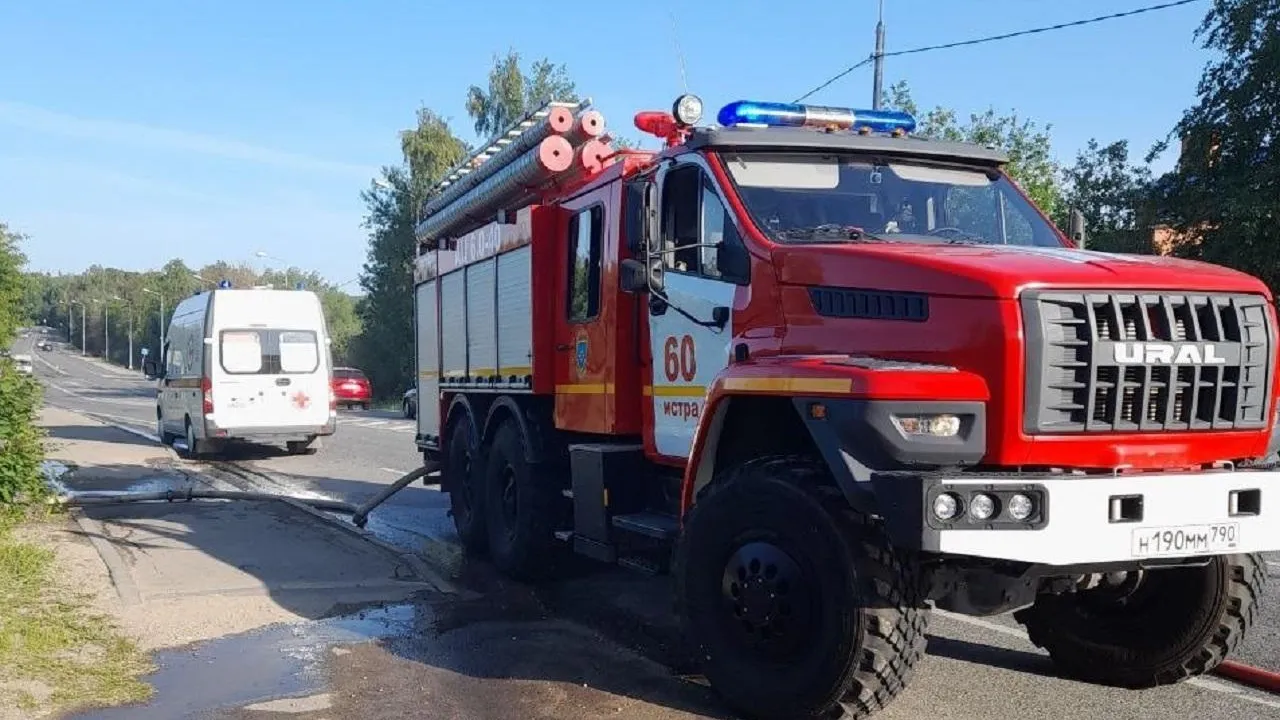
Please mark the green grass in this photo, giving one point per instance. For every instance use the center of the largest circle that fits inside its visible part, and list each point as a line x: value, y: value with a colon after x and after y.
x: 55, y: 652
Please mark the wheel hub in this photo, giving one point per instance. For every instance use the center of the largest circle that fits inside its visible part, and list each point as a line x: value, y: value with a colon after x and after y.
x: 764, y: 592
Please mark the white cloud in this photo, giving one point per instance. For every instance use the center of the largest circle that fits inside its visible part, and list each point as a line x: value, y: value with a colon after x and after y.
x: 113, y: 131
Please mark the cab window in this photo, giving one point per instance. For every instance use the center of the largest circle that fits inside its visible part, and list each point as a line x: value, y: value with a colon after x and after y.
x: 584, y: 244
x: 697, y: 229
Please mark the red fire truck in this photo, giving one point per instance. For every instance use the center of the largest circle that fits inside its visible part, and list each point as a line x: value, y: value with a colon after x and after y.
x: 838, y: 374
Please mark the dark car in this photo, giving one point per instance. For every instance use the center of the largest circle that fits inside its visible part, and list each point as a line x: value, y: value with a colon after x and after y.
x: 409, y: 403
x: 44, y: 345
x: 351, y: 388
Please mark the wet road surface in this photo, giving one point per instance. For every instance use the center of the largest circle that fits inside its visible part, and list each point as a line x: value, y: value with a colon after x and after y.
x: 600, y: 644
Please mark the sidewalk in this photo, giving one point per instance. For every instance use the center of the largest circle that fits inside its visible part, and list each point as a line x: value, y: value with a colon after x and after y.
x: 177, y: 573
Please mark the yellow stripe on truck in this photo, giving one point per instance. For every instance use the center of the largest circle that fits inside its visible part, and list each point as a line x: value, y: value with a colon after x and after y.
x: 789, y: 385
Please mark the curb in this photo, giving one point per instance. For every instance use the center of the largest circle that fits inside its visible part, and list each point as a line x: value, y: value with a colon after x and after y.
x: 416, y: 563
x: 1254, y: 677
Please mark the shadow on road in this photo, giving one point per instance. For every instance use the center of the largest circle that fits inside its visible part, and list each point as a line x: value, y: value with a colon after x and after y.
x: 97, y: 433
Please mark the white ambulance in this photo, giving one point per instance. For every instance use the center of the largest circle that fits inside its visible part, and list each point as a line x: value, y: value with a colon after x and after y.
x: 245, y: 365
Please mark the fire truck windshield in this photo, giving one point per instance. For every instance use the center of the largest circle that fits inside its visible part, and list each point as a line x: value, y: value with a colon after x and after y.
x: 807, y: 198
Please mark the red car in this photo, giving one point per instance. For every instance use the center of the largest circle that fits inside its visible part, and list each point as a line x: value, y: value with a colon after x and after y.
x: 351, y: 388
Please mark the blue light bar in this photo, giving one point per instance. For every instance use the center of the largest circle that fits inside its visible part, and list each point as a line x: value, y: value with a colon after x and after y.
x: 224, y: 284
x: 769, y: 114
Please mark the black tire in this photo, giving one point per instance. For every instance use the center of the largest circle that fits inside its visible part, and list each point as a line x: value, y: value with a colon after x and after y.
x: 768, y: 543
x: 522, y: 510
x: 196, y: 449
x: 166, y: 437
x: 1169, y: 626
x: 406, y: 410
x: 466, y: 496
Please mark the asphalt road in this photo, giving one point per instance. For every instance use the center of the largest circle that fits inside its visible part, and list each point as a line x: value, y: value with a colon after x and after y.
x: 978, y: 668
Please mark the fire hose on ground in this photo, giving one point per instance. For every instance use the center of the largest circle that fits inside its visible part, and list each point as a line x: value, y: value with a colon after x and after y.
x: 1258, y: 678
x: 359, y: 514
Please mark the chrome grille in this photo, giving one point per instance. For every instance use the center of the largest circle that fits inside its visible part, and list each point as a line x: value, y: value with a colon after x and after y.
x: 1146, y: 362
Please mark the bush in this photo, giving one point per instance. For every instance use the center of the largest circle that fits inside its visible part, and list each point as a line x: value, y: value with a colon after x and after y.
x: 20, y: 447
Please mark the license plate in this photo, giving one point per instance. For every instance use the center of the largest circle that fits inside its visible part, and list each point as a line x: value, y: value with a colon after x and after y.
x: 1186, y: 540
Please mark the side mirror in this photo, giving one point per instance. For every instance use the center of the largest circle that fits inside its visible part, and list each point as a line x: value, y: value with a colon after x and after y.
x: 1076, y: 227
x: 657, y: 274
x: 734, y: 263
x: 633, y: 275
x: 149, y: 368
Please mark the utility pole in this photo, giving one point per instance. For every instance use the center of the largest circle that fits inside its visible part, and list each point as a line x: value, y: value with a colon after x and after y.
x: 84, y: 324
x: 878, y: 83
x: 130, y: 336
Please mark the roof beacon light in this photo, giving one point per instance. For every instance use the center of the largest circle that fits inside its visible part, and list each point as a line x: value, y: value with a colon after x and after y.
x: 687, y: 109
x: 768, y: 114
x: 224, y: 284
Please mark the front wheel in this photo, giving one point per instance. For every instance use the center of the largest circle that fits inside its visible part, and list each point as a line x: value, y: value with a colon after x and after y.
x: 799, y: 607
x: 1150, y: 627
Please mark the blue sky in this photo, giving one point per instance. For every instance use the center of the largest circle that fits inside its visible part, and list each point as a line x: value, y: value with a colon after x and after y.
x: 137, y: 131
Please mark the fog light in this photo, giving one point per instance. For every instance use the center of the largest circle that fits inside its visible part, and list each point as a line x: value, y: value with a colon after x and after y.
x: 982, y: 507
x: 946, y: 506
x: 1020, y: 507
x: 935, y: 425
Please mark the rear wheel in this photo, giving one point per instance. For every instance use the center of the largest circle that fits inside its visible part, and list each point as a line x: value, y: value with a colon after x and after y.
x: 407, y: 409
x: 166, y: 437
x: 1153, y: 627
x: 466, y: 501
x: 799, y: 607
x: 520, y: 510
x: 197, y: 448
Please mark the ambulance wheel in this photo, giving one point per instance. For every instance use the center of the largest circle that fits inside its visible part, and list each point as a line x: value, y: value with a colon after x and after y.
x: 166, y: 437
x: 1150, y: 627
x: 466, y: 499
x: 520, y: 510
x: 798, y: 606
x: 197, y: 449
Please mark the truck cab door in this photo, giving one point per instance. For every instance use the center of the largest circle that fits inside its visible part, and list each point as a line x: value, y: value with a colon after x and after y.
x: 691, y: 316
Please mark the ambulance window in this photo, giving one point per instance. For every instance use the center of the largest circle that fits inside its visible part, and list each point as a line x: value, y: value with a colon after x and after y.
x: 585, y: 231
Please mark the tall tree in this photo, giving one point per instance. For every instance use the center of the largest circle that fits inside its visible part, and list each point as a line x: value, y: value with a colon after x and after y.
x: 1113, y: 195
x: 1028, y: 145
x: 1225, y: 192
x: 385, y: 348
x: 13, y: 294
x: 512, y: 93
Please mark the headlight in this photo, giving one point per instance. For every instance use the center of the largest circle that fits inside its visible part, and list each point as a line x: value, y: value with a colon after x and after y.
x: 946, y: 506
x: 982, y: 507
x: 935, y: 425
x: 1020, y: 507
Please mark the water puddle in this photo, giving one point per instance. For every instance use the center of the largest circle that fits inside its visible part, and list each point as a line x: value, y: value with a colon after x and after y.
x: 280, y: 661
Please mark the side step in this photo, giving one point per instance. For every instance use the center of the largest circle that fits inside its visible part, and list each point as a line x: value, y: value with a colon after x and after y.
x: 650, y: 524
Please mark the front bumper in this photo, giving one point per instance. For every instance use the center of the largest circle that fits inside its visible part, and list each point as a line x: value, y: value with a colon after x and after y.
x: 1089, y: 519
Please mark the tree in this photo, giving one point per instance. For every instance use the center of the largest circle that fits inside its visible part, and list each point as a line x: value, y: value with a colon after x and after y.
x: 513, y: 93
x: 1225, y: 192
x: 385, y: 347
x: 1028, y: 146
x: 13, y: 290
x: 1113, y: 195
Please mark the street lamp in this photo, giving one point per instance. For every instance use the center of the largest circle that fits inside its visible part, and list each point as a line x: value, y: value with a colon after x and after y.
x: 263, y: 254
x: 201, y: 279
x: 149, y: 291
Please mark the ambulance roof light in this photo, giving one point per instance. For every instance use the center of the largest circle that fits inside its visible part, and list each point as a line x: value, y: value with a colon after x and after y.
x: 224, y: 284
x: 770, y: 114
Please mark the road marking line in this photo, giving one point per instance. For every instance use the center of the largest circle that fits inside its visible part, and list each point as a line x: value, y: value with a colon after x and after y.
x: 1275, y: 565
x: 1204, y: 683
x: 394, y: 471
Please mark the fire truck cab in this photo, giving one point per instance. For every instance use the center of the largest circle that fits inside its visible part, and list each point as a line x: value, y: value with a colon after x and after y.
x: 826, y: 373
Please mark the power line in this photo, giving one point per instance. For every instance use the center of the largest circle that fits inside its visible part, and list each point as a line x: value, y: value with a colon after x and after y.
x: 1005, y: 36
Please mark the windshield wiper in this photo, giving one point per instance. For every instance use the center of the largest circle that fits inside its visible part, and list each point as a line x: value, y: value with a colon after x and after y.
x: 828, y: 233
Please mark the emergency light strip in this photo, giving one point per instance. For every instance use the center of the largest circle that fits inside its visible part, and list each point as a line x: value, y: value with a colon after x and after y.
x: 770, y: 114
